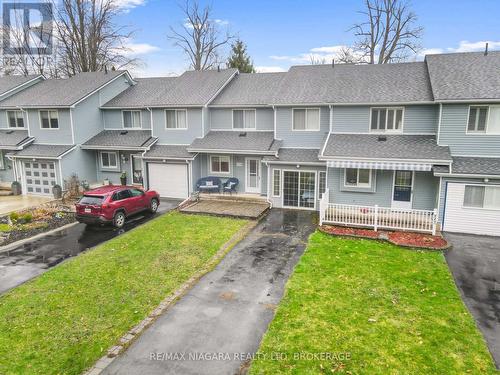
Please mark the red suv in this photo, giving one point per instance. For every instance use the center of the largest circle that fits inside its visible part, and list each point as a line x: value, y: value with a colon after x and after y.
x: 113, y: 204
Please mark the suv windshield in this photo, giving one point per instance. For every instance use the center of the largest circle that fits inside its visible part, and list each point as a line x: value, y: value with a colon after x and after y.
x: 91, y: 199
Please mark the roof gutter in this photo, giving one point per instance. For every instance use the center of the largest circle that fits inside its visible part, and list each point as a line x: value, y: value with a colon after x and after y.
x: 392, y: 160
x: 465, y: 175
x: 226, y: 151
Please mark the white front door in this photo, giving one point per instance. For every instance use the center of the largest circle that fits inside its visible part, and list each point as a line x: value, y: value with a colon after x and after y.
x: 252, y: 175
x: 402, y: 191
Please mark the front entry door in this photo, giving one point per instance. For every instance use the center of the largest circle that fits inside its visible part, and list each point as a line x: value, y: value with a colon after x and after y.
x: 403, y: 189
x: 252, y: 176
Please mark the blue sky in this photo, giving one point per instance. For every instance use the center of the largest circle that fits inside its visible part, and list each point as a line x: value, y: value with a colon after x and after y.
x: 281, y: 33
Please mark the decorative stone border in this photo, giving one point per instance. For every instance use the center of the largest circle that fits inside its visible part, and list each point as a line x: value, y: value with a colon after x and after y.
x: 382, y: 236
x: 126, y: 340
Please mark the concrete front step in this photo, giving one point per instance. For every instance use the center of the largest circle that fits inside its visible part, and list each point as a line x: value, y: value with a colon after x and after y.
x: 235, y: 197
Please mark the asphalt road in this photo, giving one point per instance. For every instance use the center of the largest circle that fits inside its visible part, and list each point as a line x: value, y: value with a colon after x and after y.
x: 33, y: 258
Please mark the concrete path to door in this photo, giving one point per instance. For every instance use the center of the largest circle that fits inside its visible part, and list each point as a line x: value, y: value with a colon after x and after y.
x: 475, y: 264
x: 230, y: 308
x: 19, y: 202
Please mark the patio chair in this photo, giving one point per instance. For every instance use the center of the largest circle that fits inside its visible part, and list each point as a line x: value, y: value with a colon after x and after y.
x: 209, y: 184
x: 230, y: 185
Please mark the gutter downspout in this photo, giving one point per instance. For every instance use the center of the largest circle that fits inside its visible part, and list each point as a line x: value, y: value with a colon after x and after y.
x: 268, y: 200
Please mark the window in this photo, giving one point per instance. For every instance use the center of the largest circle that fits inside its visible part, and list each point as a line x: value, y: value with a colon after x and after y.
x: 387, y: 119
x: 49, y: 119
x: 482, y: 197
x: 136, y: 192
x: 484, y: 119
x: 244, y: 119
x: 306, y: 119
x: 109, y: 160
x: 358, y: 178
x: 176, y: 118
x: 16, y: 119
x: 321, y: 183
x: 276, y: 183
x: 131, y: 119
x: 124, y: 194
x: 219, y: 164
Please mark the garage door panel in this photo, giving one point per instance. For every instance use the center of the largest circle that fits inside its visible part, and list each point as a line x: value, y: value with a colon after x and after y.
x: 40, y: 177
x: 169, y: 180
x: 468, y: 220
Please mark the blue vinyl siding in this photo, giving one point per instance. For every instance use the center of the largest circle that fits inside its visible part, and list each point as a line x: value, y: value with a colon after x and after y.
x: 425, y: 191
x: 80, y: 162
x: 60, y: 136
x: 177, y: 136
x: 418, y: 119
x: 113, y: 119
x: 222, y: 118
x: 453, y: 134
x: 7, y: 173
x: 304, y: 139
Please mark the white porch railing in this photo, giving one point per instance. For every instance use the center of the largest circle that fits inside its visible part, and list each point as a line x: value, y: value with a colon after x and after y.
x: 377, y: 217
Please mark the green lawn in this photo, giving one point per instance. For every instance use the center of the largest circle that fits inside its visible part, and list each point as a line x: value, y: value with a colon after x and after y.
x: 390, y: 310
x: 66, y: 319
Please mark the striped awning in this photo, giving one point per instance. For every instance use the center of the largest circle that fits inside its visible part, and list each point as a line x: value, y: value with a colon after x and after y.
x: 387, y: 165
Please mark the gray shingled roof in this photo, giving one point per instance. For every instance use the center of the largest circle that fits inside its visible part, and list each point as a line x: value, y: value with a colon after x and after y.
x: 421, y: 147
x: 168, y: 151
x: 479, y: 166
x: 223, y: 141
x: 296, y: 155
x: 140, y: 95
x: 462, y: 76
x: 8, y: 83
x: 349, y: 83
x: 43, y: 151
x: 60, y: 92
x: 121, y: 138
x: 250, y: 89
x: 11, y: 139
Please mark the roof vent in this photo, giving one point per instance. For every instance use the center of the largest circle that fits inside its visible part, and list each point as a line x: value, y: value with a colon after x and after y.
x: 382, y: 138
x: 486, y: 50
x: 333, y: 63
x: 124, y: 132
x: 244, y: 134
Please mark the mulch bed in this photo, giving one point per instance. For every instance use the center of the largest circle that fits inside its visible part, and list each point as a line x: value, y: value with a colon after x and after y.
x: 46, y: 217
x: 405, y: 239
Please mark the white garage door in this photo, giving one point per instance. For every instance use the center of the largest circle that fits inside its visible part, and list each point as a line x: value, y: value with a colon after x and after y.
x: 40, y: 177
x: 474, y: 214
x: 169, y: 180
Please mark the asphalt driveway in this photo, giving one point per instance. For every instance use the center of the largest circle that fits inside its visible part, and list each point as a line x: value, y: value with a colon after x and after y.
x: 23, y: 262
x: 228, y: 311
x: 475, y: 264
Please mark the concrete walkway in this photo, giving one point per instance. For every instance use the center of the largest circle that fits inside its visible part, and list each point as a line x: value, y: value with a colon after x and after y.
x: 475, y: 264
x: 18, y: 202
x: 229, y: 310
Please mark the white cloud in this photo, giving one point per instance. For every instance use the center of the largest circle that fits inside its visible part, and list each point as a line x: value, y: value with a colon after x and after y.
x: 466, y: 46
x: 269, y: 69
x: 323, y: 54
x: 221, y: 22
x: 217, y: 21
x: 127, y: 5
x: 136, y: 49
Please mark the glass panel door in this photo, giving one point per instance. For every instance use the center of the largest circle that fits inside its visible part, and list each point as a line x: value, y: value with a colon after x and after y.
x: 136, y: 170
x: 253, y: 176
x: 290, y: 189
x: 299, y: 189
x: 403, y: 182
x: 307, y: 189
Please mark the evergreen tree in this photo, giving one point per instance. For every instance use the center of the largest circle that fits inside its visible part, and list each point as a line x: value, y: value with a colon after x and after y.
x: 239, y: 58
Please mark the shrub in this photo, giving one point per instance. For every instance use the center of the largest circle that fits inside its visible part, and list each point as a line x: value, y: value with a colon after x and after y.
x: 26, y: 218
x: 14, y: 216
x: 5, y: 228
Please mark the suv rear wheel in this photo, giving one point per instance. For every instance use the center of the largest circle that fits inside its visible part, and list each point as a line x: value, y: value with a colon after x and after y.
x: 154, y: 206
x: 119, y: 220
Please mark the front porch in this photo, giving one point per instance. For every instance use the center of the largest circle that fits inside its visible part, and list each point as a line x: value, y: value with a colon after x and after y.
x: 248, y: 206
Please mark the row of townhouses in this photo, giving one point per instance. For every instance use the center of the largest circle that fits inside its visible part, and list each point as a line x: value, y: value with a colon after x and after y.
x: 420, y: 135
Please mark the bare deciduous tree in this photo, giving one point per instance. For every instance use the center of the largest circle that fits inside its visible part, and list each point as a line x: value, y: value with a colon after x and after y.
x: 88, y: 38
x: 200, y: 37
x: 316, y: 60
x: 389, y: 34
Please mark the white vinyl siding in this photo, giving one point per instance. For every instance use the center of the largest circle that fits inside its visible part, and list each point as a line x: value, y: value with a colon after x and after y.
x: 109, y: 160
x: 15, y: 119
x: 306, y: 119
x: 244, y: 119
x: 176, y: 118
x: 386, y: 120
x: 132, y: 119
x: 49, y: 119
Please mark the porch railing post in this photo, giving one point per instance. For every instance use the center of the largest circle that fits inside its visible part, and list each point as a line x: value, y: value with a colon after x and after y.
x: 434, y: 221
x: 375, y: 224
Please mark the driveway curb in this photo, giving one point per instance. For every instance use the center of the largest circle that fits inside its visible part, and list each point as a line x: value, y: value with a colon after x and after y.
x: 168, y: 302
x: 13, y: 245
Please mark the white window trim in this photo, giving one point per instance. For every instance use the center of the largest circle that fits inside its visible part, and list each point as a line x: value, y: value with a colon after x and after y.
x: 358, y: 186
x: 281, y: 183
x: 244, y: 128
x: 48, y: 110
x: 2, y: 164
x: 16, y: 111
x: 117, y: 156
x: 385, y: 131
x: 140, y: 119
x: 219, y: 156
x: 306, y: 109
x: 479, y: 132
x: 176, y: 121
x: 326, y: 182
x: 479, y: 208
